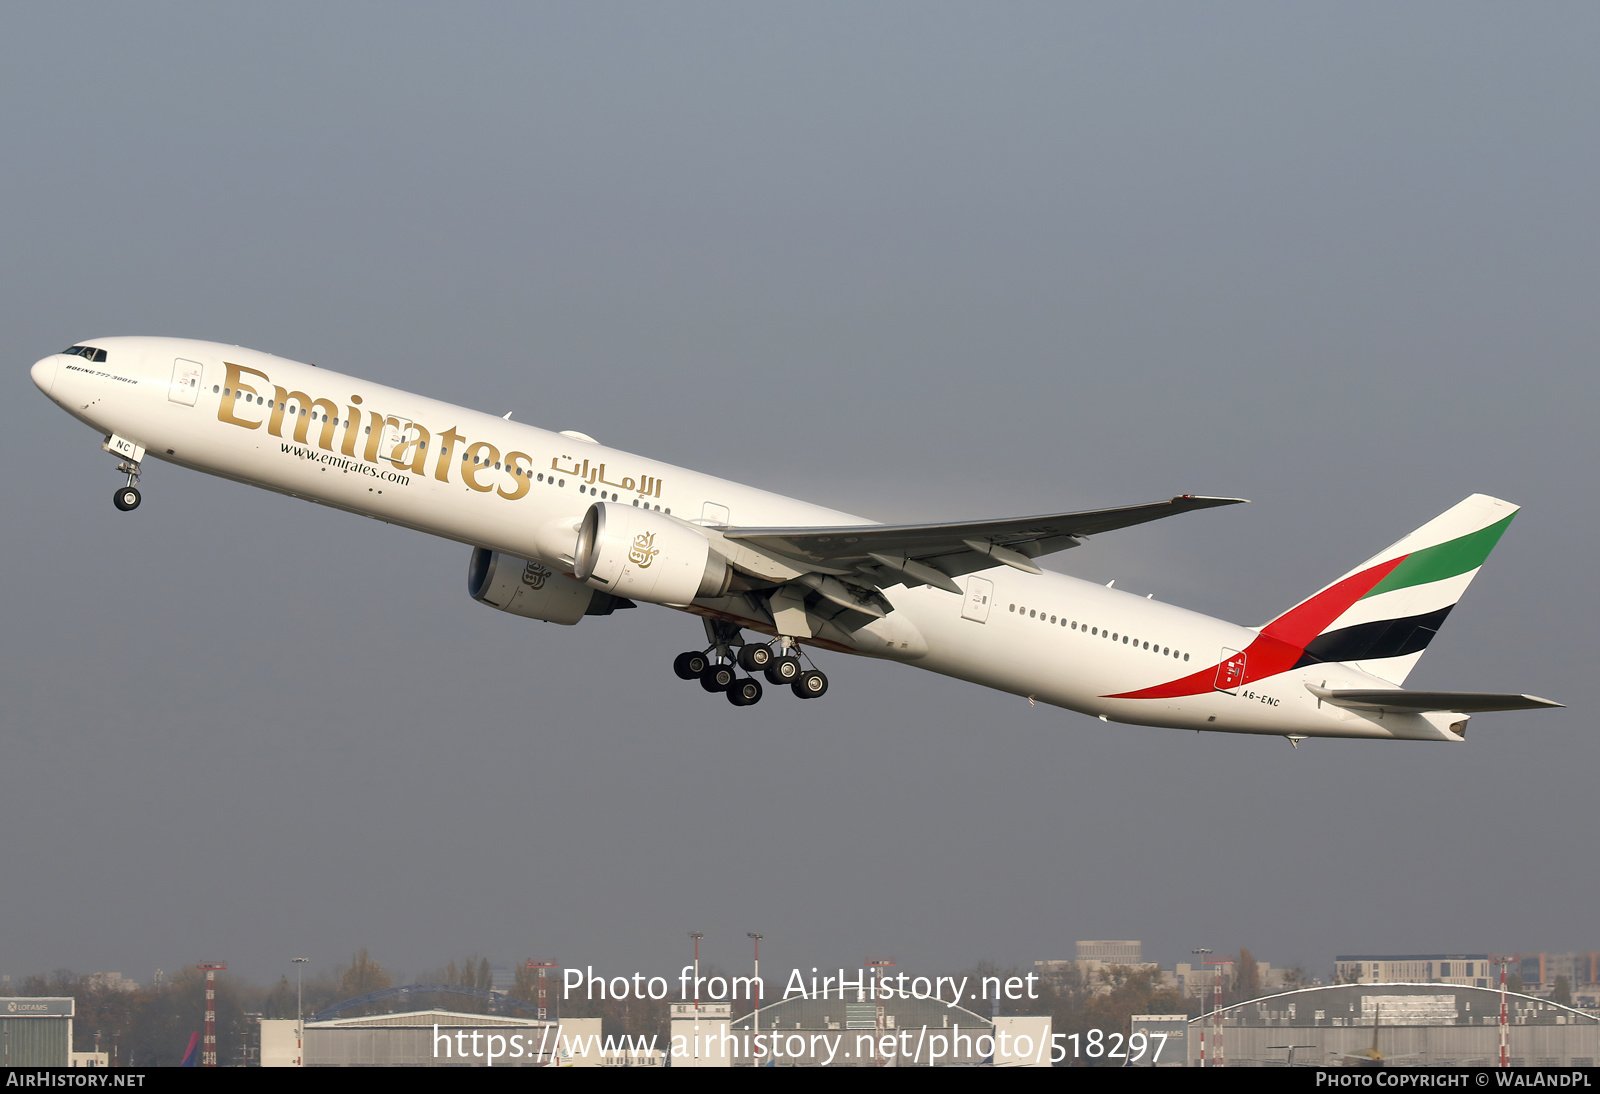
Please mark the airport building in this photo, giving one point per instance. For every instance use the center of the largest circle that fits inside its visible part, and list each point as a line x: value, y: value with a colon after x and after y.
x: 851, y: 1029
x: 1540, y: 971
x: 432, y: 1038
x: 1397, y: 1024
x: 1093, y: 956
x: 36, y: 1031
x: 855, y: 1031
x: 1200, y: 981
x: 1472, y: 969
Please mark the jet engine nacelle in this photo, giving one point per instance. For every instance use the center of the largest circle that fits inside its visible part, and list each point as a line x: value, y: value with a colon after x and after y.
x: 645, y: 555
x: 532, y: 589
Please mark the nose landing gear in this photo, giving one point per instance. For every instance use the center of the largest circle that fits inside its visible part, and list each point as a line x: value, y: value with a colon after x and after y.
x: 126, y: 498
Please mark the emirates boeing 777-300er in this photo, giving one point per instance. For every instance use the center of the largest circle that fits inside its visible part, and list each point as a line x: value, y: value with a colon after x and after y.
x: 562, y: 526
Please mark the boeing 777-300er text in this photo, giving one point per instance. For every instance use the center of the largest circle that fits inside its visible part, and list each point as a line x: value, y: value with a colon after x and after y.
x: 562, y: 526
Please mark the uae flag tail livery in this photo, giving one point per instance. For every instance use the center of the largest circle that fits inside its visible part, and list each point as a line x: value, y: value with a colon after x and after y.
x: 1375, y: 622
x: 1381, y: 616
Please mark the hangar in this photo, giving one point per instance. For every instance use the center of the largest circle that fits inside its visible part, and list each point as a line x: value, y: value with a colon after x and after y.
x: 1399, y: 1025
x: 430, y: 1038
x: 902, y: 1031
x: 36, y: 1031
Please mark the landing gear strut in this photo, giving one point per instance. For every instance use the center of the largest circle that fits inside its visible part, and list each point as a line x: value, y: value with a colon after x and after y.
x: 128, y: 454
x: 785, y: 669
x: 717, y: 668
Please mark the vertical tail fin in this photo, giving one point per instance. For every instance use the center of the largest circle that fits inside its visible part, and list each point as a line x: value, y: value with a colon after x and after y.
x: 1382, y: 615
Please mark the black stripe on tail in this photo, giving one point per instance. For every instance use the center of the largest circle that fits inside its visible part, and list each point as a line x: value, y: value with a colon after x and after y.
x: 1370, y: 641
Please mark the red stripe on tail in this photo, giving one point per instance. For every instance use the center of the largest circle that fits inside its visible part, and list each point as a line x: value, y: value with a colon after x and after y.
x: 1282, y: 641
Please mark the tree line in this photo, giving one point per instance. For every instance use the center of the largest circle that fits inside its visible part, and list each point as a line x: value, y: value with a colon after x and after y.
x: 150, y: 1026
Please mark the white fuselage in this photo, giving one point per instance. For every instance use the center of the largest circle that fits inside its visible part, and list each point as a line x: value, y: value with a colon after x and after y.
x: 520, y: 490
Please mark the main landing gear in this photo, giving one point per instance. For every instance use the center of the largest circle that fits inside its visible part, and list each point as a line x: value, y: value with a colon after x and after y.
x: 717, y: 669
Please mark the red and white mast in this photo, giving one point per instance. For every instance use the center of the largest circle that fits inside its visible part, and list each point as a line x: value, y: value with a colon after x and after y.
x: 208, y: 1051
x: 1504, y: 1021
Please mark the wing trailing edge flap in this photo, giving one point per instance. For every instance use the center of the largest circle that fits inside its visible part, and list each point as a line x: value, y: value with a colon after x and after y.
x: 883, y: 555
x: 1399, y: 701
x: 865, y: 600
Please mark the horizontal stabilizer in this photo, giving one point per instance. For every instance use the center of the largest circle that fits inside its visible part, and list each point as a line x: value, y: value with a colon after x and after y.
x: 1396, y: 701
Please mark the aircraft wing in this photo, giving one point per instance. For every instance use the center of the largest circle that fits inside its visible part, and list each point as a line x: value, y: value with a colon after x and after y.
x: 1397, y: 701
x: 932, y: 554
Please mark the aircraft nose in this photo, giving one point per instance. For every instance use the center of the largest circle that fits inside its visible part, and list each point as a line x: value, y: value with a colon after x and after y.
x: 44, y: 373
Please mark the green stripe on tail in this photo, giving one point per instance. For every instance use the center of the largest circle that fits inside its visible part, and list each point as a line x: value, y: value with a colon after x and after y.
x: 1448, y: 559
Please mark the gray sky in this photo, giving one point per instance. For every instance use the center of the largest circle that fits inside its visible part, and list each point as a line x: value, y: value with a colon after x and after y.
x: 912, y: 261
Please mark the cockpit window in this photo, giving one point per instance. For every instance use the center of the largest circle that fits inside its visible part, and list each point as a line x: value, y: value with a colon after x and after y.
x: 88, y: 353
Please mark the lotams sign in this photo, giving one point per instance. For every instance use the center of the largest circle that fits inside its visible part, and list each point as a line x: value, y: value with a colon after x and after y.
x: 37, y: 1008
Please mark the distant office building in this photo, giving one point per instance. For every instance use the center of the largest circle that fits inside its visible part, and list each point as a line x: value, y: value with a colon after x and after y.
x: 502, y: 978
x: 1469, y: 969
x: 1097, y: 955
x: 1199, y: 981
x: 1541, y: 970
x: 1191, y: 980
x: 1124, y: 952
